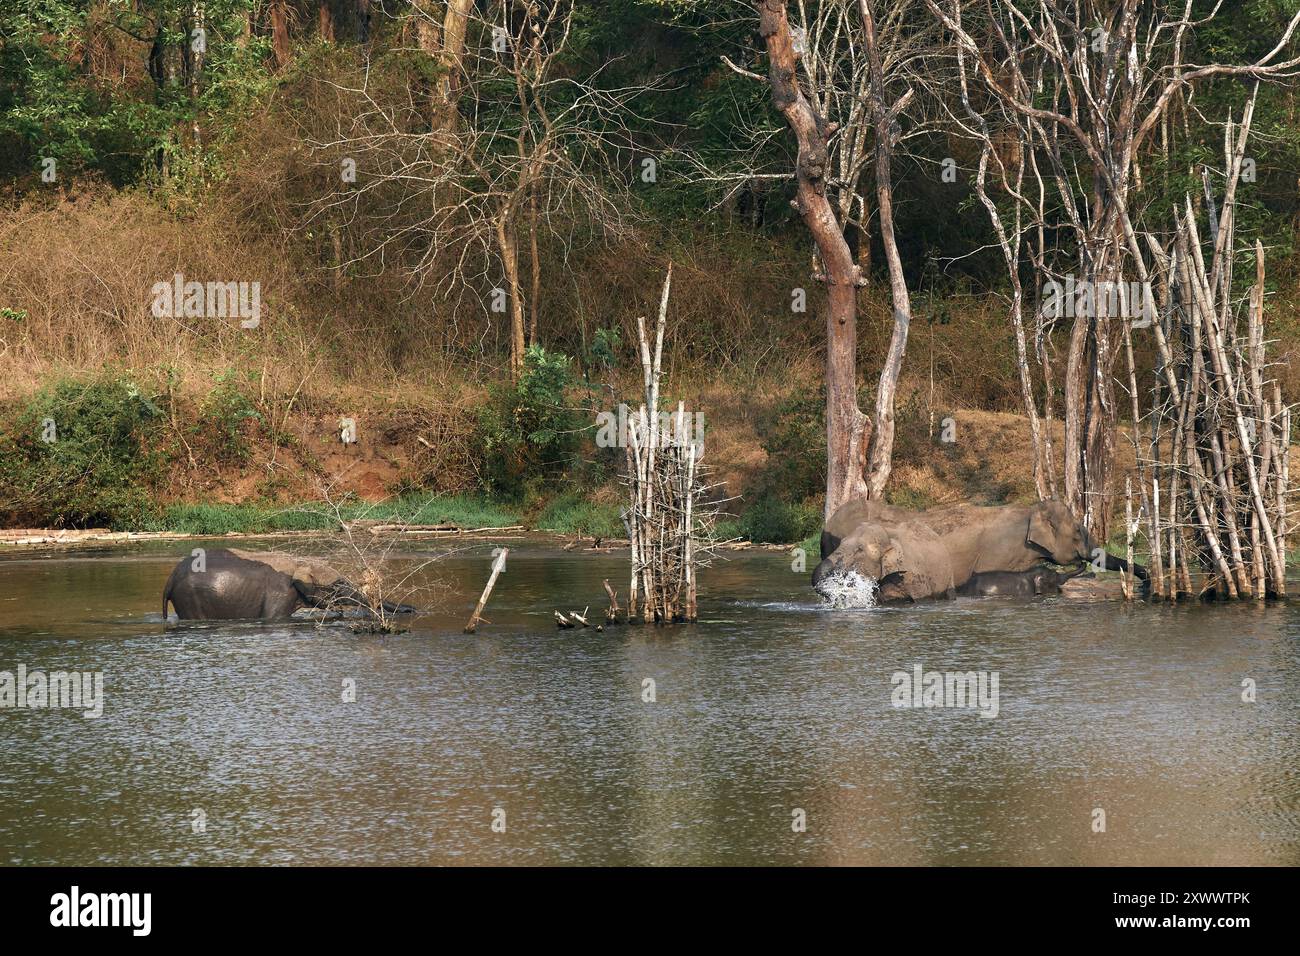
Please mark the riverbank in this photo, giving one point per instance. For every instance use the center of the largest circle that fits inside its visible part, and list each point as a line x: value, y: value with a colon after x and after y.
x: 123, y: 452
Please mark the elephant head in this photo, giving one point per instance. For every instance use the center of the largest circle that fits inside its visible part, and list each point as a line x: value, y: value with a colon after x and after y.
x: 1054, y: 531
x: 906, y: 561
x: 320, y: 585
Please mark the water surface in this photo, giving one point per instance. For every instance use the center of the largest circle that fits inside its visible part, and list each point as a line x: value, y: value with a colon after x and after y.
x: 771, y: 704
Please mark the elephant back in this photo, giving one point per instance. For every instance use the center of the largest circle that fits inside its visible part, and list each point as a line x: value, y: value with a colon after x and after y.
x: 305, y: 570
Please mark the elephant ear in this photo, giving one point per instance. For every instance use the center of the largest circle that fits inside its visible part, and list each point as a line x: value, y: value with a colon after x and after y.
x: 891, y: 561
x: 1041, y: 533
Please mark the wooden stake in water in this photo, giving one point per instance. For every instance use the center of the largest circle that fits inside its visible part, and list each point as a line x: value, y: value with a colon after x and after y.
x: 669, y: 516
x: 497, y: 567
x: 1128, y: 538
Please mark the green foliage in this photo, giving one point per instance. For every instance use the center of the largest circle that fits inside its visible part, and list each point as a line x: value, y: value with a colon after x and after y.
x: 528, y: 433
x: 573, y: 514
x: 769, y: 520
x: 604, y: 349
x: 794, y: 437
x: 76, y: 455
x: 463, y: 511
x: 106, y: 87
x: 219, y: 519
x: 224, y: 420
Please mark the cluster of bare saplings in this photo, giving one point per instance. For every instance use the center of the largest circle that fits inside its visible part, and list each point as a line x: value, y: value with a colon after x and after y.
x: 672, y: 513
x: 1215, y: 473
x: 669, y: 522
x: 670, y: 516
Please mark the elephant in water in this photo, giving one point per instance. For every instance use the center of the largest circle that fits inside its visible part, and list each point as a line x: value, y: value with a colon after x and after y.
x: 1040, y: 580
x: 920, y: 554
x: 252, y: 585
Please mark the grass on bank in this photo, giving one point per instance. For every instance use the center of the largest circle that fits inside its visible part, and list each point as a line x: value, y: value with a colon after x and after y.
x: 569, y: 514
x: 463, y: 511
x: 573, y: 514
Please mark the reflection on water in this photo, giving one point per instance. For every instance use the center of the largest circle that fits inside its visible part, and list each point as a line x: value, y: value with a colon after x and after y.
x: 772, y: 704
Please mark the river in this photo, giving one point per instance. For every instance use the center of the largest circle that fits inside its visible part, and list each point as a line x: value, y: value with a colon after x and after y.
x: 771, y: 736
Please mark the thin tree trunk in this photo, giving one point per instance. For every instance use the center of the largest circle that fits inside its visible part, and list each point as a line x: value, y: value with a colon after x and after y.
x: 325, y: 18
x: 363, y: 21
x: 535, y: 294
x: 454, y: 25
x: 847, y: 429
x: 279, y: 12
x: 881, y: 452
x: 510, y: 262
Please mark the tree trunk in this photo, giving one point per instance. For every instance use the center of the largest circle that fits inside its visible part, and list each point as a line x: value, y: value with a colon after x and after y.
x: 535, y: 296
x: 510, y: 262
x: 326, y: 21
x: 363, y: 21
x: 427, y: 32
x: 454, y: 25
x: 881, y: 453
x: 847, y: 429
x: 280, y: 31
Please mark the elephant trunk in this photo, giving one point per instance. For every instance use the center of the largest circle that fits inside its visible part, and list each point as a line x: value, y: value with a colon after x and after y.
x: 826, y: 568
x: 350, y: 594
x: 1119, y: 564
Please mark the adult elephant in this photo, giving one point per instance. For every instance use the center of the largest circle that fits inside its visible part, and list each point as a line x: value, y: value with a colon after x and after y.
x: 919, y: 554
x: 230, y: 584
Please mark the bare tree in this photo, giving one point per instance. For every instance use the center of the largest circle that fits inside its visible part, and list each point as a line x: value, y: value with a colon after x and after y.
x: 859, y: 448
x: 1082, y: 87
x: 530, y: 150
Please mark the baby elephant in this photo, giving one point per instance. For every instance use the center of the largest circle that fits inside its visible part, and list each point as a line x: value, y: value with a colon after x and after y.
x: 1039, y: 580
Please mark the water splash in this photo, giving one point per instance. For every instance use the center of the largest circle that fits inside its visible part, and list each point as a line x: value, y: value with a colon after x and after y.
x: 843, y: 589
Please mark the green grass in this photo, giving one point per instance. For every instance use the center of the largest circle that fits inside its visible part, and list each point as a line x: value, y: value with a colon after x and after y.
x: 572, y: 514
x: 464, y: 511
x: 812, y: 547
x: 730, y: 528
x: 217, y: 519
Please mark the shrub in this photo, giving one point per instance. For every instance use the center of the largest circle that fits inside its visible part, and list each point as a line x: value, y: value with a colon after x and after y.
x: 773, y: 521
x: 224, y: 419
x: 573, y: 514
x: 528, y: 433
x: 76, y: 456
x: 794, y: 437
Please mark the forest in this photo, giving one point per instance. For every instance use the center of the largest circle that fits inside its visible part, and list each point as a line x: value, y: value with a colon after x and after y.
x: 430, y: 228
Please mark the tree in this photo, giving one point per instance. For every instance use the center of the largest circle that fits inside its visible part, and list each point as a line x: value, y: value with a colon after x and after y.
x: 859, y: 448
x: 1082, y: 88
x: 518, y: 141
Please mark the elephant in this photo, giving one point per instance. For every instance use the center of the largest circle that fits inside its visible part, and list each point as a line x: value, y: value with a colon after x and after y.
x: 1036, y: 581
x: 907, y: 560
x: 914, y: 555
x: 231, y: 584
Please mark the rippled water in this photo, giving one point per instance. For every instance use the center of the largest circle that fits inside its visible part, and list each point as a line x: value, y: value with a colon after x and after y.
x: 772, y: 704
